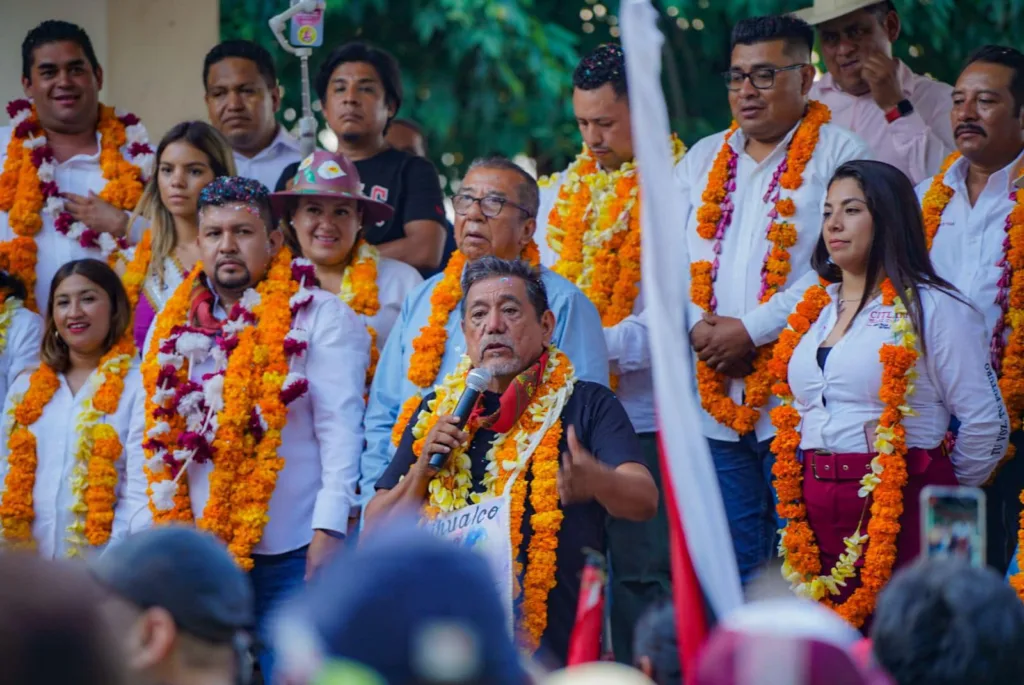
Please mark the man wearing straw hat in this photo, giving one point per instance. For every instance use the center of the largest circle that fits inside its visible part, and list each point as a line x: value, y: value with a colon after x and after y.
x: 902, y: 116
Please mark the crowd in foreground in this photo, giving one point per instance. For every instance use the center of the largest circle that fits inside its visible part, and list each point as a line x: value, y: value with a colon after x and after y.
x: 217, y: 334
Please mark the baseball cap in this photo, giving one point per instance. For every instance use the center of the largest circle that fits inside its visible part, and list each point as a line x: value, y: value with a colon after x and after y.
x: 187, y: 573
x: 414, y: 608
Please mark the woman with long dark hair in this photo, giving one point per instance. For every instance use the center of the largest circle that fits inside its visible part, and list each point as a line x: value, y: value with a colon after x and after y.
x: 871, y: 367
x: 189, y: 156
x: 63, y: 451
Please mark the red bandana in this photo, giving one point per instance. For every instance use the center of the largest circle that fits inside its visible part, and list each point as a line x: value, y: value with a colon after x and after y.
x: 200, y: 313
x: 513, y: 402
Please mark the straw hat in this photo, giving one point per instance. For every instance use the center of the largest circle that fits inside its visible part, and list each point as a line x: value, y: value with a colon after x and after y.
x: 330, y: 176
x: 827, y: 10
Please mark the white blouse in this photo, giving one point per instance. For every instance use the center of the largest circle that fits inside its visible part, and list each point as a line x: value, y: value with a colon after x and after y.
x: 395, y: 280
x: 840, y: 405
x: 56, y: 434
x: 24, y: 338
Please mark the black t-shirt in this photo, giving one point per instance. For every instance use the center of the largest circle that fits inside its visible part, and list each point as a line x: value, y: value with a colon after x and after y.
x: 603, y: 428
x: 406, y: 182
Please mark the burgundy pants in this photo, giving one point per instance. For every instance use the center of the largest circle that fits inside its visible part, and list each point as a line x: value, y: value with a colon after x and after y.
x: 831, y: 482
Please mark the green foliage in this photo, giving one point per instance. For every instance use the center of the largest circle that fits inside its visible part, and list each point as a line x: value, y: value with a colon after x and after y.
x: 494, y: 76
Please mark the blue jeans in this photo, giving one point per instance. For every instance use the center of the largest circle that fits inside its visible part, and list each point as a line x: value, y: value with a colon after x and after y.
x: 274, y: 578
x: 744, y: 470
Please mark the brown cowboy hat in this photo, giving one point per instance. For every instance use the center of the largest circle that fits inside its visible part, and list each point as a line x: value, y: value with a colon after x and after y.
x: 331, y: 176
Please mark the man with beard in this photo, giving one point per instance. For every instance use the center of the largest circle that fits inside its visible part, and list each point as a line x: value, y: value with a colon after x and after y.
x: 495, y: 215
x: 566, y: 441
x: 67, y: 188
x: 254, y: 380
x: 242, y: 98
x: 903, y: 116
x: 974, y: 225
x: 360, y: 88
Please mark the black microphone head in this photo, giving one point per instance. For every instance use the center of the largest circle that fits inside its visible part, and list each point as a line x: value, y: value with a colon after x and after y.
x: 478, y: 379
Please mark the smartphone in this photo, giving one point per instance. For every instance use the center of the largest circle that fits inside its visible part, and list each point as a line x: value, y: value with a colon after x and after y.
x: 953, y: 523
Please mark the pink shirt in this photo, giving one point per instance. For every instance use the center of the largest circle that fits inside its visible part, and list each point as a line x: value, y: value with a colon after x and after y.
x: 914, y: 144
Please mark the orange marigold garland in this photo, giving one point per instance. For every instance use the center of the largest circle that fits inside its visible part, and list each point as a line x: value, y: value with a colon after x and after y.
x: 713, y: 218
x: 450, y: 489
x: 883, y: 485
x: 28, y: 185
x: 935, y: 199
x: 134, y: 277
x: 360, y: 292
x: 429, y: 345
x: 249, y: 392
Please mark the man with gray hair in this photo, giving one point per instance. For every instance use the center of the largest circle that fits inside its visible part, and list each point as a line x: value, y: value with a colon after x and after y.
x: 495, y: 215
x: 548, y: 455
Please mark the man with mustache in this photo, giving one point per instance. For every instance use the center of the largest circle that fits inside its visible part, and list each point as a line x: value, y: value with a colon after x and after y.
x: 75, y: 168
x: 974, y: 224
x: 570, y: 459
x: 903, y: 116
x: 254, y: 382
x: 242, y: 99
x: 754, y: 217
x: 596, y: 202
x: 360, y: 89
x: 495, y: 215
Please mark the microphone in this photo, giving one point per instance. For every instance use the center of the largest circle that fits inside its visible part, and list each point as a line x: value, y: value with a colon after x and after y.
x: 476, y: 382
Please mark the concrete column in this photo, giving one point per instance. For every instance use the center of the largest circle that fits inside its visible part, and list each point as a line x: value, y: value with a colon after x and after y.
x: 151, y: 51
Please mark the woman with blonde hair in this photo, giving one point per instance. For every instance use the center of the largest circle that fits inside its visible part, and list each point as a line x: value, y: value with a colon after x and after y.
x: 191, y: 154
x: 70, y: 423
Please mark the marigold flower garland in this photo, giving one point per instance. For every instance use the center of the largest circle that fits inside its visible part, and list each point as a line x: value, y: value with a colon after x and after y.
x: 28, y: 185
x: 235, y: 416
x: 10, y: 306
x: 94, y: 478
x: 713, y: 218
x: 1006, y: 347
x: 360, y: 292
x: 507, y: 459
x: 134, y: 277
x: 883, y: 484
x: 429, y: 345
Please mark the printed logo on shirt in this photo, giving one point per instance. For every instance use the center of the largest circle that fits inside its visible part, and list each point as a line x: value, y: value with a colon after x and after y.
x: 881, y: 319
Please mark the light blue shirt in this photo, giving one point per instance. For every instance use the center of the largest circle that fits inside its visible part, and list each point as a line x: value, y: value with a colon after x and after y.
x: 578, y: 332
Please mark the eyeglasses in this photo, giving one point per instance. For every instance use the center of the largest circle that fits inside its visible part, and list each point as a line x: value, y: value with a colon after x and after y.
x: 490, y: 205
x: 761, y: 78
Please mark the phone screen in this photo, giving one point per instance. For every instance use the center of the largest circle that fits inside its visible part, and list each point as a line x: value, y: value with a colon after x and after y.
x: 953, y: 523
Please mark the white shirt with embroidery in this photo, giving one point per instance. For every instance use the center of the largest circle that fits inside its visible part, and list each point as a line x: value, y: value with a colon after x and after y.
x: 746, y: 243
x: 840, y: 405
x: 969, y: 243
x: 57, y: 436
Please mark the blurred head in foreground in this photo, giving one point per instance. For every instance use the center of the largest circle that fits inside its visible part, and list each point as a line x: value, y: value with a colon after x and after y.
x: 51, y: 627
x: 598, y: 673
x: 655, y: 645
x: 180, y: 607
x: 782, y: 642
x: 404, y: 608
x: 944, y: 622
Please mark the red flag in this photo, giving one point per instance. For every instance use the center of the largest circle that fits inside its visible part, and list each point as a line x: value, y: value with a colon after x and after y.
x: 585, y: 642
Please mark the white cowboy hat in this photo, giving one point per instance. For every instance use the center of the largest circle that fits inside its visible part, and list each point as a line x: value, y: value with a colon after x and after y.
x: 827, y: 10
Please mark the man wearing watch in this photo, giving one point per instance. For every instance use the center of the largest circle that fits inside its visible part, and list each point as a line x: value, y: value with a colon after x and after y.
x: 902, y: 116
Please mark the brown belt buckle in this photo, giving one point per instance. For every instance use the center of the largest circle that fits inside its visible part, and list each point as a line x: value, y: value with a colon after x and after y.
x: 814, y: 464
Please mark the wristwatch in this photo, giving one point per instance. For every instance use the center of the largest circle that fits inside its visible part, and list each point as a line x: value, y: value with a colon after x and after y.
x: 904, y: 108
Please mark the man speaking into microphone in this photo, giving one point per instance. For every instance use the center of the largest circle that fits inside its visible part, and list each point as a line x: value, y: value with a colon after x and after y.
x: 552, y: 455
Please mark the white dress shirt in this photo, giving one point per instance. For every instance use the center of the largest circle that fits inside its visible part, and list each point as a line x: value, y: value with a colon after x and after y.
x: 320, y: 443
x: 840, y: 405
x: 969, y: 243
x: 745, y: 243
x: 267, y: 165
x: 77, y: 175
x: 395, y: 280
x: 24, y: 338
x: 915, y: 144
x: 629, y: 354
x: 57, y: 435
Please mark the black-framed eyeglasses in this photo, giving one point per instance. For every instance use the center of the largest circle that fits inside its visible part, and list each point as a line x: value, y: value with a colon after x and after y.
x: 761, y: 78
x: 490, y: 205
